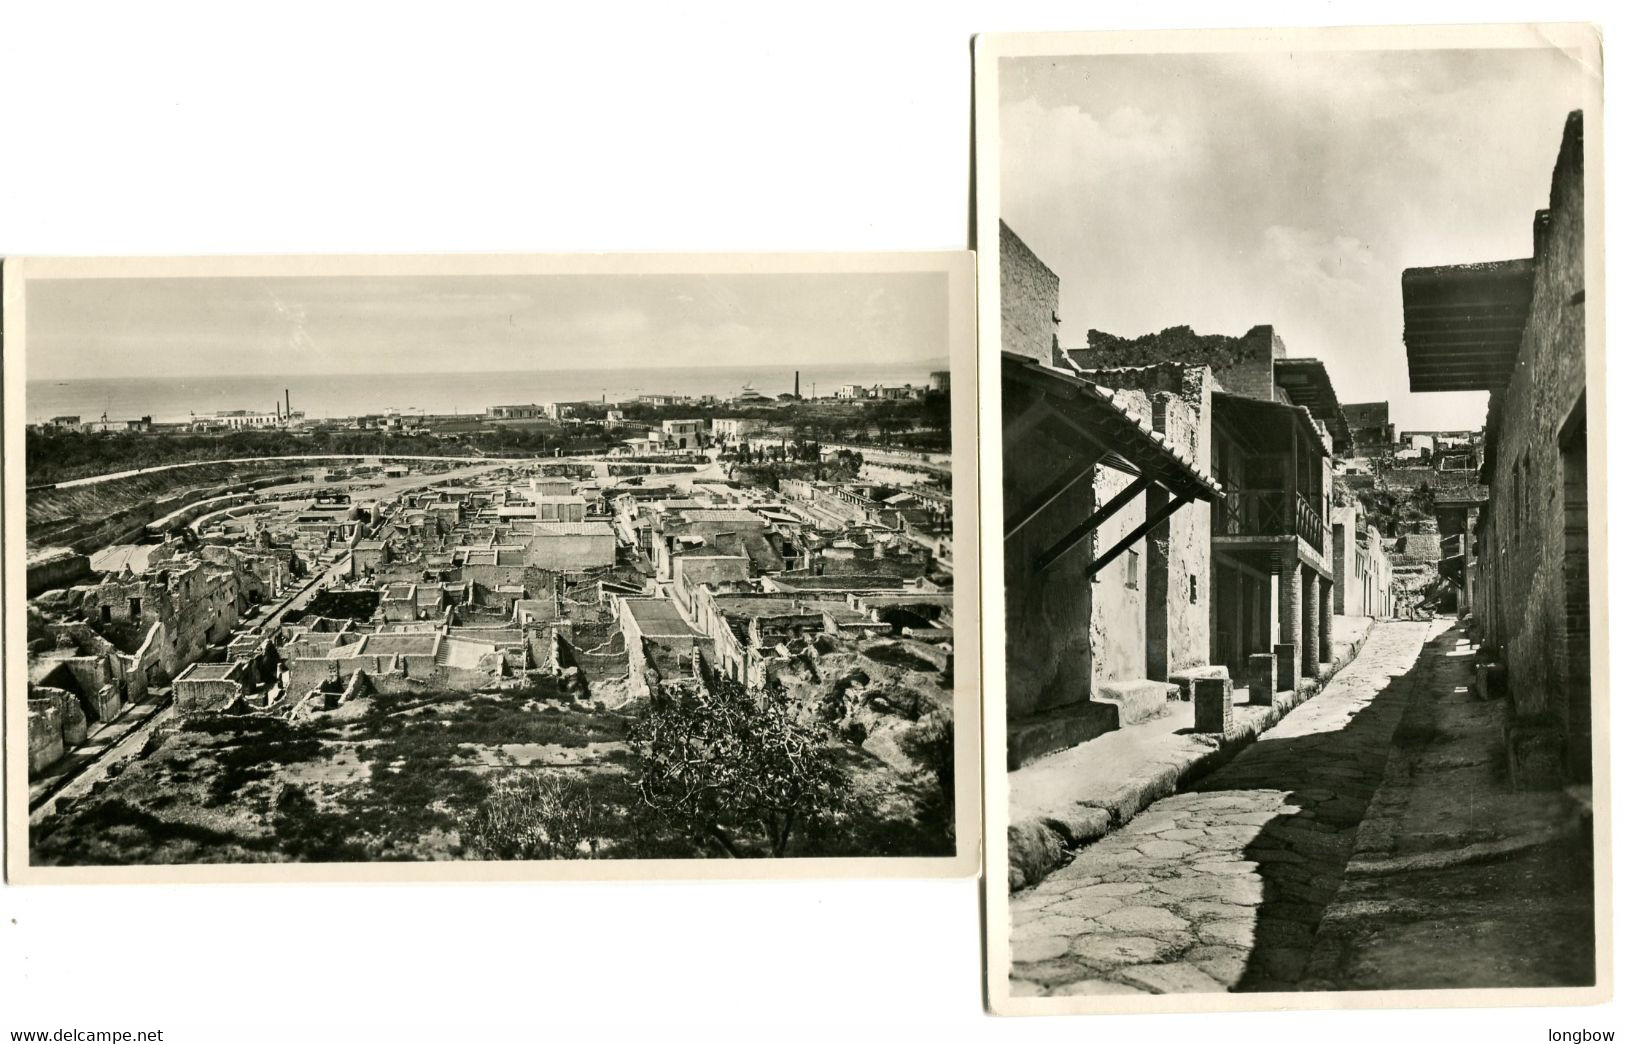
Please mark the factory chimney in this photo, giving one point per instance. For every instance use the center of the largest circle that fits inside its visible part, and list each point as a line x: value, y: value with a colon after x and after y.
x: 798, y: 384
x: 287, y: 407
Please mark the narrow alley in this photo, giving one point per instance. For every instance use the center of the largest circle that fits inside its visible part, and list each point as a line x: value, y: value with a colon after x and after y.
x: 1224, y: 886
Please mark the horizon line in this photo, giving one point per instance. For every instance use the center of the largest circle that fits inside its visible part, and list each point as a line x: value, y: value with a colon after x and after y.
x: 440, y: 373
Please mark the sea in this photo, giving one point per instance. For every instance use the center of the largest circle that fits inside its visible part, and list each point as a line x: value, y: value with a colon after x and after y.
x: 349, y: 395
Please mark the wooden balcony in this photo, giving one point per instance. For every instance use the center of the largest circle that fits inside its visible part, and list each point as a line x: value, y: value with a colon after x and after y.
x: 1269, y: 512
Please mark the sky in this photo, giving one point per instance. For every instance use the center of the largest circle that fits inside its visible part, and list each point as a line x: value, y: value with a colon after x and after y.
x: 175, y: 327
x: 1226, y: 191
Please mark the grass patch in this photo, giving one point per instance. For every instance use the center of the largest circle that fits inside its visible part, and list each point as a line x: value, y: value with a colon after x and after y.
x: 490, y: 719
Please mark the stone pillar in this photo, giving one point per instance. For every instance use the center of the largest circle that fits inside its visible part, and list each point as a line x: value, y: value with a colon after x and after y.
x: 1213, y: 704
x: 1311, y: 624
x: 1325, y: 622
x: 1261, y: 679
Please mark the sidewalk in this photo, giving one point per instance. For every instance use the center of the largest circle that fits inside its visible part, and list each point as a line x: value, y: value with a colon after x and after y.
x: 1073, y: 797
x: 1457, y: 881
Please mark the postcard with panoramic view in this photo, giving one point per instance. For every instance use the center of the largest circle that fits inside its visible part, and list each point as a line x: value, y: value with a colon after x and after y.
x: 491, y: 567
x: 1292, y: 668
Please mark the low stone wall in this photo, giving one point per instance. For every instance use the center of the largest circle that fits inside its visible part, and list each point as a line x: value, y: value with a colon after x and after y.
x: 56, y: 567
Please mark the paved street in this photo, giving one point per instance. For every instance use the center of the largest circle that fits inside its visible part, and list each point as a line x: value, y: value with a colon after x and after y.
x: 1222, y: 887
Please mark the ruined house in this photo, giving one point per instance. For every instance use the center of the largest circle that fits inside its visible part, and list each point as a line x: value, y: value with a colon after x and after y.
x: 1115, y: 458
x: 660, y: 644
x: 209, y: 686
x: 431, y: 661
x: 194, y: 603
x: 1370, y: 430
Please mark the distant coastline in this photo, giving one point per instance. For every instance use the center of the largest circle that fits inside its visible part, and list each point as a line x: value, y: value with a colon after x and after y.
x: 347, y: 395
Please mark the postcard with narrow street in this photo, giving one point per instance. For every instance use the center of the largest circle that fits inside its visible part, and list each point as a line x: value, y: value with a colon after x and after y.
x: 1297, y: 669
x: 491, y: 567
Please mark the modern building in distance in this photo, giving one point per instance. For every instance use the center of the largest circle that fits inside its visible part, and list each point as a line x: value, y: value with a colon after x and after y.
x: 530, y: 411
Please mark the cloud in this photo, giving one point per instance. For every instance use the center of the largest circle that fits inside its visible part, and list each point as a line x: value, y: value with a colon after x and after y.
x: 1335, y: 268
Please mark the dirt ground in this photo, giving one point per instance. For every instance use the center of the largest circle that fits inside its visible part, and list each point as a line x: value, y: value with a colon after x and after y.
x: 393, y: 778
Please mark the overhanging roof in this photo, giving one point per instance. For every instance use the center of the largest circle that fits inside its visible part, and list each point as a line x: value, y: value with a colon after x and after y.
x: 1134, y: 446
x: 1464, y: 323
x: 1267, y: 424
x: 1310, y: 386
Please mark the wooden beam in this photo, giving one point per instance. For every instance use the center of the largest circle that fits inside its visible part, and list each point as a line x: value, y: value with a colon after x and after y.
x: 1015, y: 521
x: 1156, y: 519
x: 1080, y: 430
x: 1019, y: 427
x: 1079, y: 532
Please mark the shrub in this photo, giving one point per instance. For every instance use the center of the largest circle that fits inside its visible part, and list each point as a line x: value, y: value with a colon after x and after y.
x: 534, y: 815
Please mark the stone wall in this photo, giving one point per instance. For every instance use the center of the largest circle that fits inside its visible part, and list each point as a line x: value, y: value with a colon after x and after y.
x: 55, y: 567
x: 56, y: 725
x: 1181, y: 549
x: 1242, y: 365
x: 1533, y: 565
x: 494, y: 576
x: 45, y: 745
x: 1029, y: 299
x: 1348, y: 596
x: 1118, y: 612
x: 194, y: 695
x: 572, y: 553
x: 1177, y: 561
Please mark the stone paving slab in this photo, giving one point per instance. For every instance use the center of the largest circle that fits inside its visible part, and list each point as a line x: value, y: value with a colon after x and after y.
x: 1221, y: 886
x: 1076, y: 796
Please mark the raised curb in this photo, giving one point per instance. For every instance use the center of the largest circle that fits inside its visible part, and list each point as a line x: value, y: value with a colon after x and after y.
x: 1041, y: 845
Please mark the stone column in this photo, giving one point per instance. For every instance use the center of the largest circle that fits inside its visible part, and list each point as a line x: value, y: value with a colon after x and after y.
x: 1290, y: 581
x: 1311, y: 624
x: 1325, y: 622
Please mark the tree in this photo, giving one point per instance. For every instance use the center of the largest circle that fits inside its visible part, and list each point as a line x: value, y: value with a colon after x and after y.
x: 742, y: 774
x: 534, y: 815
